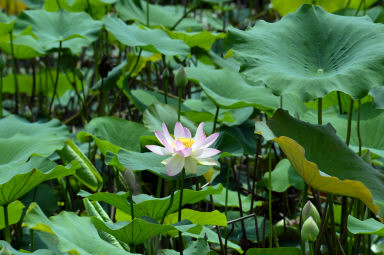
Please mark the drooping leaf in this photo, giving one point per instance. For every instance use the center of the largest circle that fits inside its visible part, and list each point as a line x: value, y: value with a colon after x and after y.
x: 324, y: 161
x: 368, y: 226
x: 311, y: 53
x: 154, y: 40
x: 214, y: 218
x: 19, y: 177
x: 140, y: 230
x: 69, y: 232
x: 53, y: 27
x: 87, y: 174
x: 145, y: 205
x: 112, y: 134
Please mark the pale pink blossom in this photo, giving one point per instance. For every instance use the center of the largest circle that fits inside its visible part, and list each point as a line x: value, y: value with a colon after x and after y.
x: 185, y: 151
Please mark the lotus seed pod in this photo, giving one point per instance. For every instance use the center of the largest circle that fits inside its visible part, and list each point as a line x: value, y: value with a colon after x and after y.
x: 309, y: 230
x: 181, y: 78
x: 5, y: 251
x: 310, y: 210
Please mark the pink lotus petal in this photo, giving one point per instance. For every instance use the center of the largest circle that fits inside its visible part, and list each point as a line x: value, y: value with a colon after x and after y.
x: 186, y: 152
x: 205, y: 153
x: 190, y: 165
x: 158, y: 150
x: 174, y: 165
x: 199, y: 142
x: 206, y: 161
x: 199, y: 131
x: 187, y: 133
x: 167, y: 136
x: 179, y: 130
x: 210, y: 140
x: 163, y: 141
x: 179, y: 145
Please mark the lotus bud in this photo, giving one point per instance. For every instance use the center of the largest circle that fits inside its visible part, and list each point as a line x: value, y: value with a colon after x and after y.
x: 309, y: 230
x: 165, y: 73
x: 5, y: 251
x: 181, y: 78
x: 310, y: 210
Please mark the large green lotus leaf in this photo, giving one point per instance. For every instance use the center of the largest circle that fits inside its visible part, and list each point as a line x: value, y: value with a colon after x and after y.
x: 45, y: 196
x: 150, y: 161
x: 112, y: 134
x: 69, y: 232
x: 274, y: 251
x: 144, y: 98
x: 155, y: 40
x: 15, y: 210
x: 286, y: 6
x: 283, y: 177
x: 371, y: 123
x: 311, y: 53
x: 53, y: 27
x: 158, y: 15
x: 324, y: 161
x: 229, y: 90
x: 19, y: 177
x: 16, y: 252
x: 368, y: 226
x: 145, y: 205
x: 140, y: 230
x: 214, y: 218
x: 87, y: 173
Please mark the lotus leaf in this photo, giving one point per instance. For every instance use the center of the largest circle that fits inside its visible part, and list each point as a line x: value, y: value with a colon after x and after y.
x: 368, y: 226
x: 70, y: 232
x: 311, y: 53
x: 201, y: 218
x: 15, y: 210
x: 16, y: 252
x: 53, y: 27
x: 324, y: 160
x: 274, y: 251
x: 154, y: 40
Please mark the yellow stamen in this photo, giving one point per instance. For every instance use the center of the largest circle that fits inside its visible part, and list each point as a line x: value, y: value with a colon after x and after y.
x: 188, y: 142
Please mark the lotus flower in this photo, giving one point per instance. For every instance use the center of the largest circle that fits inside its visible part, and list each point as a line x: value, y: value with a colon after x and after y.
x: 185, y: 151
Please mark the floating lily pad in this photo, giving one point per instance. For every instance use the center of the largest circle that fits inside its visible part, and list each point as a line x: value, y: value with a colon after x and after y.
x: 324, y: 161
x: 311, y: 53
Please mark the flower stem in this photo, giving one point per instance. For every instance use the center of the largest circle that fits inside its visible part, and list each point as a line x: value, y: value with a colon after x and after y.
x: 216, y: 117
x: 180, y: 205
x: 270, y: 194
x: 57, y: 78
x: 358, y: 126
x: 7, y: 232
x: 349, y: 122
x: 179, y: 105
x: 15, y: 68
x: 320, y: 111
x: 170, y: 202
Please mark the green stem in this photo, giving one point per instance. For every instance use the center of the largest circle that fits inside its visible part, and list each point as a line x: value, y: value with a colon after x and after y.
x: 147, y: 7
x: 339, y: 102
x: 57, y: 77
x: 349, y: 122
x: 180, y: 90
x: 270, y: 194
x: 216, y: 117
x: 358, y: 125
x: 185, y: 15
x: 180, y: 206
x: 170, y: 202
x: 320, y: 111
x: 333, y: 230
x: 1, y: 94
x: 7, y: 232
x: 15, y: 68
x: 311, y: 248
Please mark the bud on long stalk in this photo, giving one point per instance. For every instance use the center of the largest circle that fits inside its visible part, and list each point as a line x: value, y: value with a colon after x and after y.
x: 309, y: 230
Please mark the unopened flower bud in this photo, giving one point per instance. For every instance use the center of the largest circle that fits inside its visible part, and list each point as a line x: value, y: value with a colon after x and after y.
x: 181, y: 78
x: 310, y: 210
x: 309, y: 230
